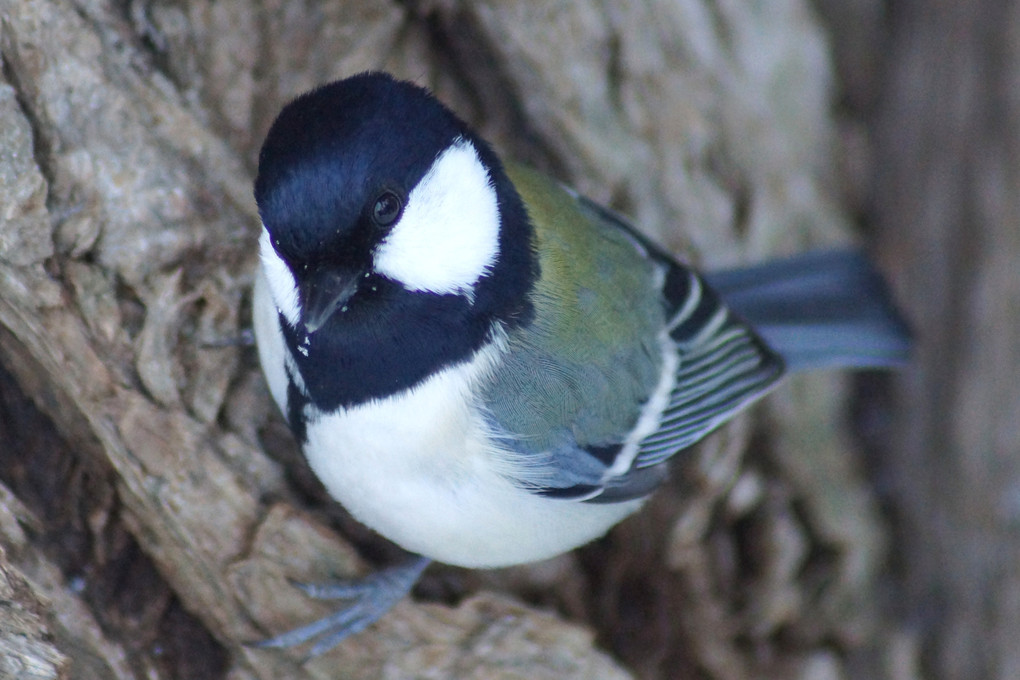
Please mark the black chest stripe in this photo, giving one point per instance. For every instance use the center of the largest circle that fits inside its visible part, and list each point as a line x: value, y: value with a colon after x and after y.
x: 385, y: 342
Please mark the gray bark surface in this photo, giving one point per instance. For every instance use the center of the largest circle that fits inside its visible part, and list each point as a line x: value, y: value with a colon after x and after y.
x: 154, y: 510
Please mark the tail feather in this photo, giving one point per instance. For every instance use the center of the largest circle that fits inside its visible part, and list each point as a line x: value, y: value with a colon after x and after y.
x: 819, y: 310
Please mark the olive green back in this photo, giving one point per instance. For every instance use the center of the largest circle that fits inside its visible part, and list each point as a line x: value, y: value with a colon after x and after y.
x: 579, y: 374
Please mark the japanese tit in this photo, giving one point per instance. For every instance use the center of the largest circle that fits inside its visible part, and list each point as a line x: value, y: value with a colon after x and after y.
x: 486, y: 367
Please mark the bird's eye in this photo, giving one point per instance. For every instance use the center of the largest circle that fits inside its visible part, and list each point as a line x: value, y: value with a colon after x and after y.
x: 387, y: 209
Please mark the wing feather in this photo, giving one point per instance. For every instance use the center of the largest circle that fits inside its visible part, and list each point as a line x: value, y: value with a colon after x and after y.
x: 721, y: 364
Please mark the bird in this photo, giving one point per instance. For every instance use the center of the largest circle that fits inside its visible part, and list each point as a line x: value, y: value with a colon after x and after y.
x: 485, y: 366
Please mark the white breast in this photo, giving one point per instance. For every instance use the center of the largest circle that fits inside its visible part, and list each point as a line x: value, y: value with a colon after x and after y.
x: 420, y: 469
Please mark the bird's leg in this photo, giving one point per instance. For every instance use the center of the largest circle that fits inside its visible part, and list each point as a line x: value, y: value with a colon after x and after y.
x: 371, y: 597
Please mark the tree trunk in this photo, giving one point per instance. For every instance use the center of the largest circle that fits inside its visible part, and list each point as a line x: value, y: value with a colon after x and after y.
x: 946, y: 205
x: 154, y: 510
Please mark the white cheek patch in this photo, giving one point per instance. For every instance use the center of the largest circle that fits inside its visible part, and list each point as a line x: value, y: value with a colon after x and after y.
x: 448, y: 236
x: 281, y: 282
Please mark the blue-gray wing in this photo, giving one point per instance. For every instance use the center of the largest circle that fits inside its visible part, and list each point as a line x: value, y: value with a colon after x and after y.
x: 723, y: 367
x: 568, y: 410
x: 723, y: 364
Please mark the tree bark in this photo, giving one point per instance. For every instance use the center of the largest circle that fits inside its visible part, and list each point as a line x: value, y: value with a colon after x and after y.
x: 946, y: 206
x: 153, y: 508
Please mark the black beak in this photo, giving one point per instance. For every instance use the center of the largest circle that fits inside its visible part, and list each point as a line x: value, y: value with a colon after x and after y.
x: 323, y: 291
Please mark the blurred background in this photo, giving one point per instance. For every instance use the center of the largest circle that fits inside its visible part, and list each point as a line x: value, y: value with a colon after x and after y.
x: 153, y: 505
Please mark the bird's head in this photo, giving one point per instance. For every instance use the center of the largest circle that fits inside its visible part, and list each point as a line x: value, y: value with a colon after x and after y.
x: 373, y: 177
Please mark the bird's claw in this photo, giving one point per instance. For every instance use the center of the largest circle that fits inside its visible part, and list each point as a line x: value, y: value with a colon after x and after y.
x: 371, y: 597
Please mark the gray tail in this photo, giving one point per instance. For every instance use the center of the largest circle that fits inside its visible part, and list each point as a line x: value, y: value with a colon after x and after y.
x: 819, y: 310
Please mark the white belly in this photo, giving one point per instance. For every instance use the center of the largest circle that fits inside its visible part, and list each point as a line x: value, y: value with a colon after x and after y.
x: 419, y: 469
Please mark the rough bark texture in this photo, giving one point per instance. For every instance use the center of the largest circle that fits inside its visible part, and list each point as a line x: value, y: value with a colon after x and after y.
x: 153, y: 507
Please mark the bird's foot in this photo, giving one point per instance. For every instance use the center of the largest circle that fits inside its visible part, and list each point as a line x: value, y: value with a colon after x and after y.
x: 371, y: 597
